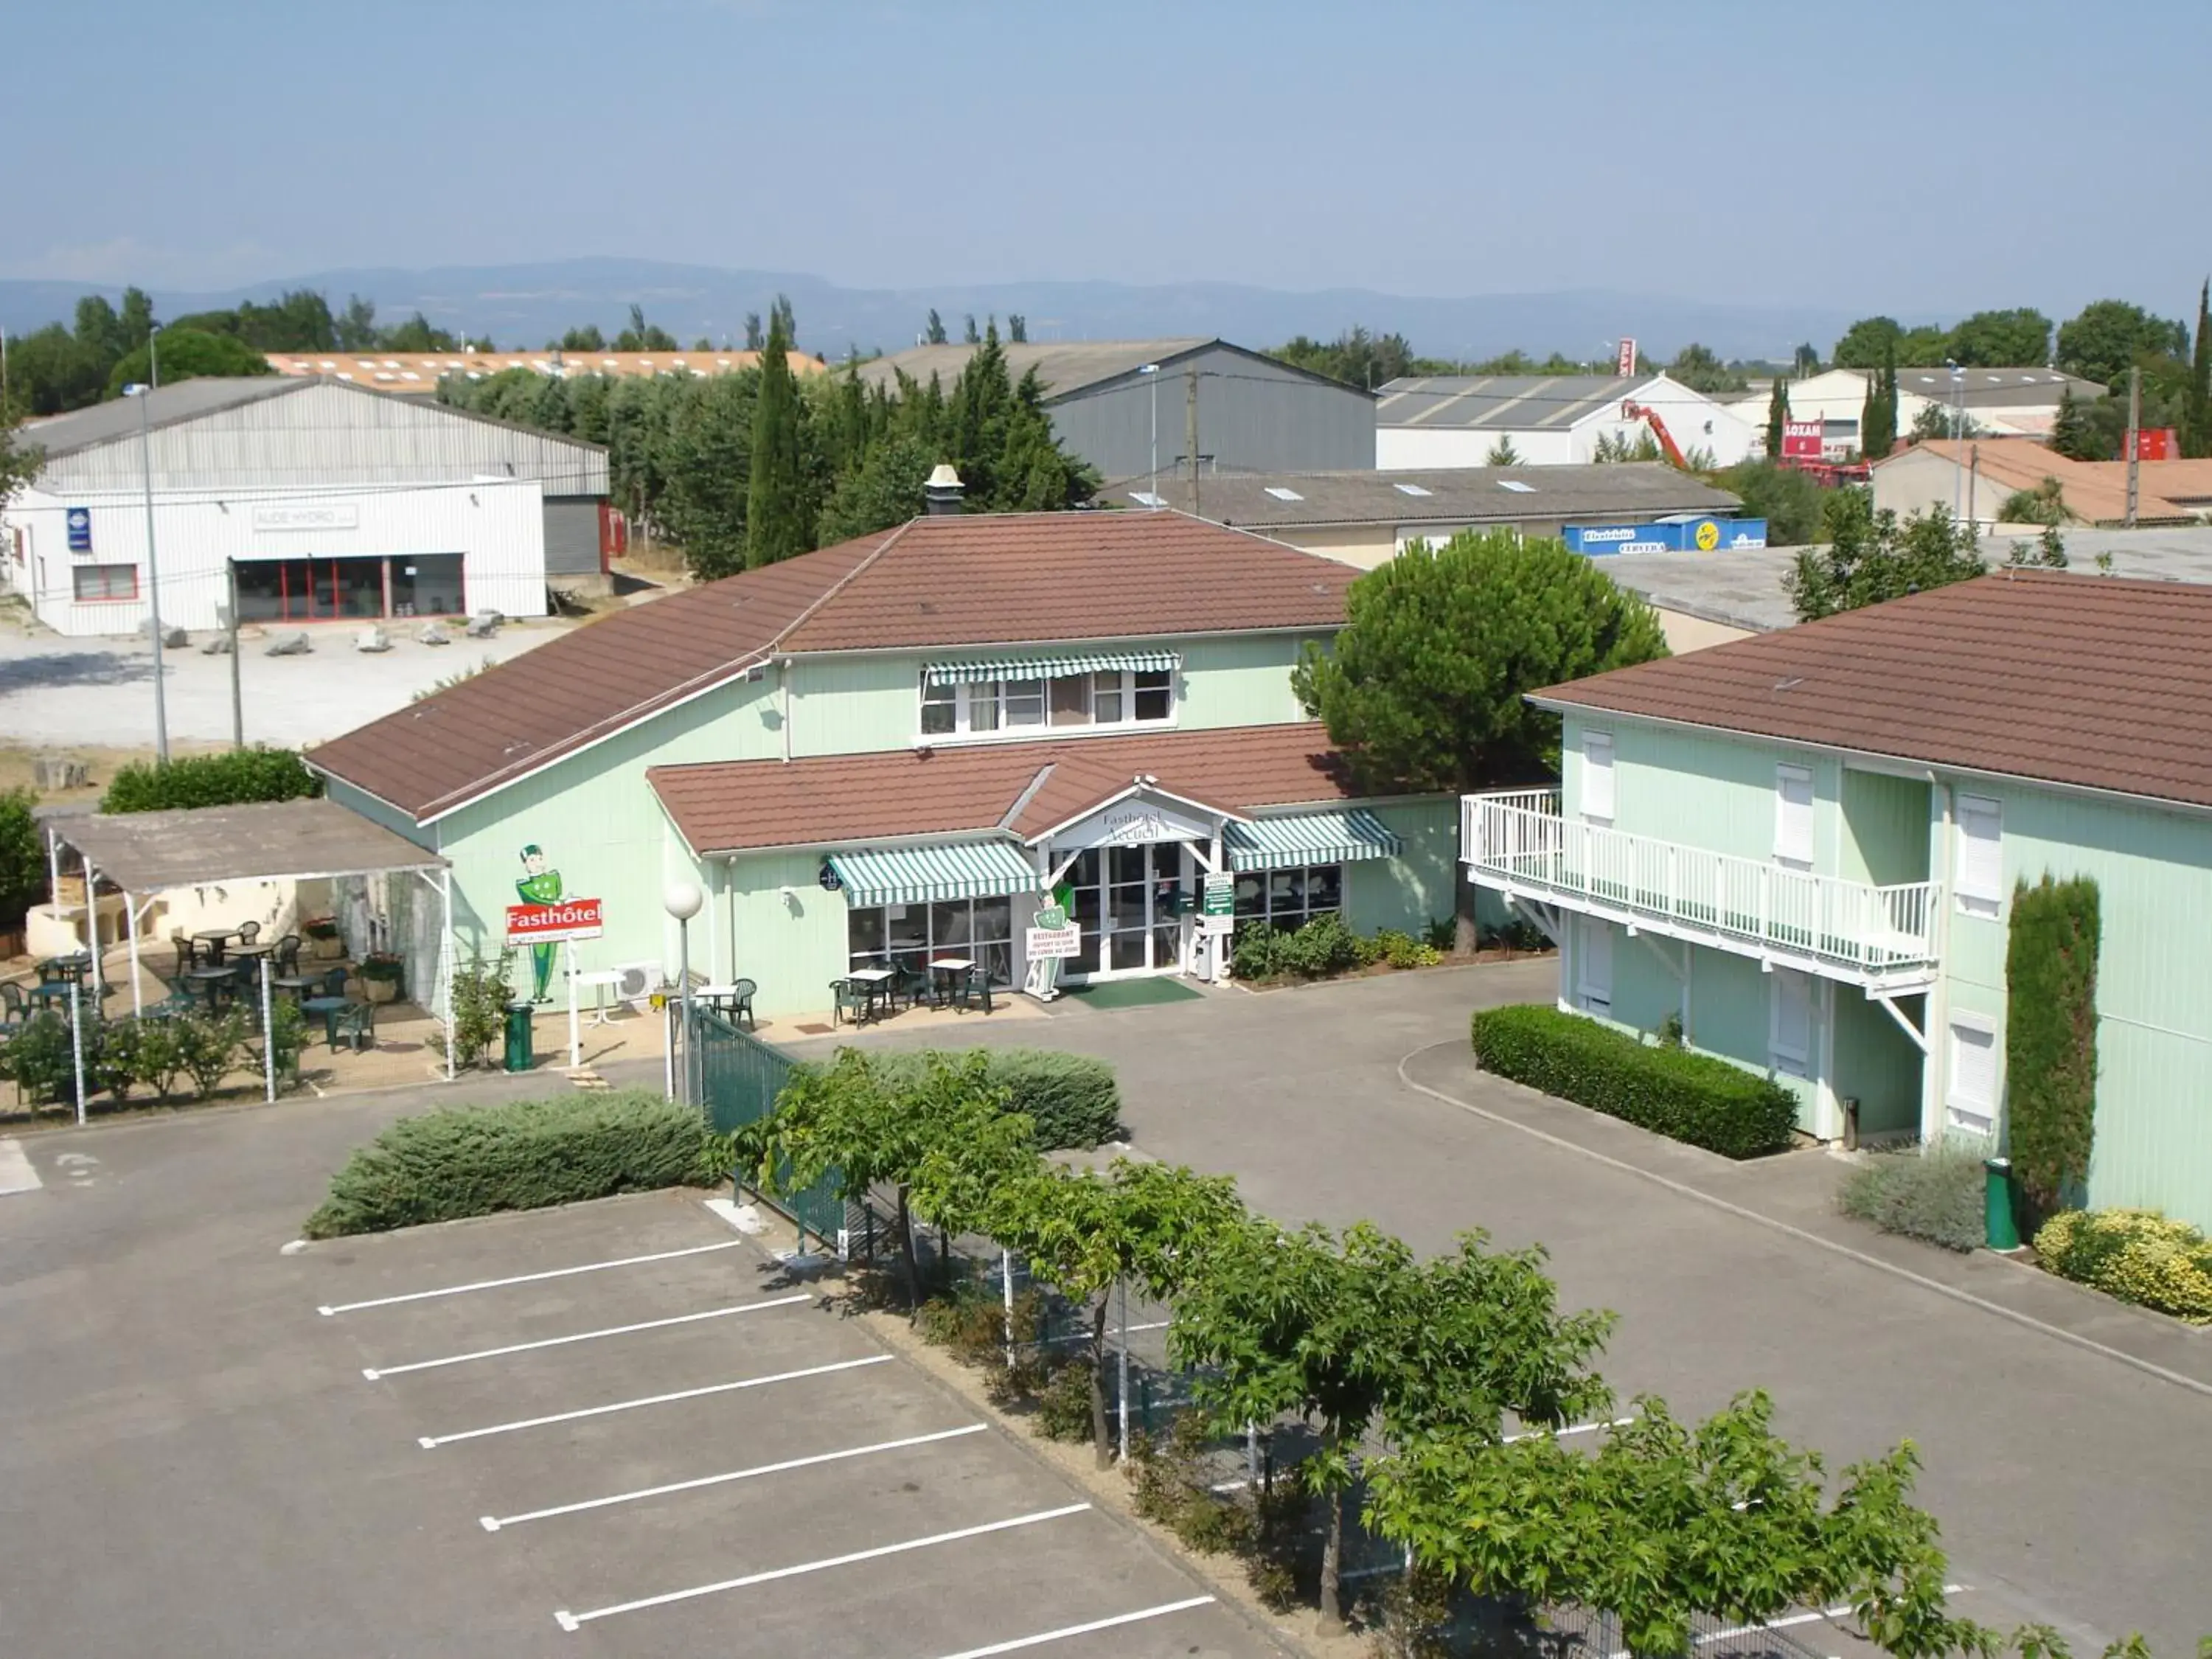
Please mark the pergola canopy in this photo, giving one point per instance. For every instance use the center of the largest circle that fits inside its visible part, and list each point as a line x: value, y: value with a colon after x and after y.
x: 262, y: 841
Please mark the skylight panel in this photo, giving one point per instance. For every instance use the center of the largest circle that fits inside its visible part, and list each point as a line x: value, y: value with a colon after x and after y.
x: 1146, y: 498
x: 1517, y: 486
x: 1283, y: 495
x: 1412, y: 489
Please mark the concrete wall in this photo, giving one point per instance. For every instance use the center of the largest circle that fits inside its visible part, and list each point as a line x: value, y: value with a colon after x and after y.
x: 1685, y: 633
x: 1253, y: 416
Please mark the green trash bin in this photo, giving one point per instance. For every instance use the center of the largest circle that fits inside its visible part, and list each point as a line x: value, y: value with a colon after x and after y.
x: 1997, y: 1229
x: 519, y: 1055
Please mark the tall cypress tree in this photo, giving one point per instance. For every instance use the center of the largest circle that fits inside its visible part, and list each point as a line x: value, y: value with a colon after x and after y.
x: 2197, y: 405
x: 1878, y: 419
x: 1778, y: 415
x: 777, y: 522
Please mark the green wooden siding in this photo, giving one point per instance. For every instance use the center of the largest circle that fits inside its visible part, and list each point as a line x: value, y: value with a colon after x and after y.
x: 1701, y: 791
x: 1877, y: 1065
x: 1414, y: 889
x: 1885, y: 834
x: 793, y: 945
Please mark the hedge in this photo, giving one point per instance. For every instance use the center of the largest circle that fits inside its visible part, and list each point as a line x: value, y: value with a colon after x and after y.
x: 524, y: 1155
x: 1691, y: 1097
x: 224, y: 779
x: 1933, y: 1193
x: 2051, y: 1038
x: 2137, y: 1255
x: 1074, y: 1099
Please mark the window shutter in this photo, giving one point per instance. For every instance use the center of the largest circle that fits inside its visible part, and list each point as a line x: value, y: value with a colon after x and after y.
x: 1789, y: 1032
x: 1597, y: 775
x: 1792, y: 816
x: 1974, y: 1093
x: 1594, y: 972
x: 1980, y: 873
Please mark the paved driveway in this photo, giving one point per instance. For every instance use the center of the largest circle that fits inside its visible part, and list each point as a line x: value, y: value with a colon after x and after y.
x: 2071, y: 1487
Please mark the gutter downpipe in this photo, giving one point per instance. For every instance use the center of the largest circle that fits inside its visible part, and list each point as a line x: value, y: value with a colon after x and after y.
x: 1937, y: 1018
x: 783, y: 696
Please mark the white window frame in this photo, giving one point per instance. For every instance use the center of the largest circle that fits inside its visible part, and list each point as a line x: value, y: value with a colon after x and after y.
x: 1592, y: 995
x: 1599, y: 806
x: 1783, y: 984
x: 1973, y: 897
x: 1791, y: 851
x: 1960, y: 1110
x: 1014, y: 715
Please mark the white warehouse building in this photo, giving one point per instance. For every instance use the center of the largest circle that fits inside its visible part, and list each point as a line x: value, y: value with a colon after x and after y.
x: 322, y: 502
x: 1548, y: 420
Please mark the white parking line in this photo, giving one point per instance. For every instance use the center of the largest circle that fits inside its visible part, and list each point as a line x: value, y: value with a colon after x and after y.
x: 430, y: 1441
x: 493, y: 1523
x: 16, y: 1174
x: 526, y: 1278
x: 1561, y: 1434
x: 571, y: 1621
x: 1066, y: 1631
x: 376, y: 1372
x: 1843, y: 1612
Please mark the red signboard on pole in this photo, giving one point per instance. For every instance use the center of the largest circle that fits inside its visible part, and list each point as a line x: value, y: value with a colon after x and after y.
x: 548, y: 924
x: 2157, y: 443
x: 1626, y: 366
x: 1800, y: 440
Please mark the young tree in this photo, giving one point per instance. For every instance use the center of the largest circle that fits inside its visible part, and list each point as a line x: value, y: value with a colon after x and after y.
x: 973, y: 336
x: 1778, y: 415
x: 778, y: 516
x: 934, y: 334
x: 683, y: 447
x: 2196, y: 402
x: 1873, y: 557
x: 1501, y: 453
x: 1017, y: 328
x: 1878, y: 416
x: 1085, y: 1233
x: 754, y: 339
x: 23, y: 868
x: 1700, y: 368
x: 1666, y: 1523
x: 355, y: 326
x: 1788, y: 499
x: 2073, y: 434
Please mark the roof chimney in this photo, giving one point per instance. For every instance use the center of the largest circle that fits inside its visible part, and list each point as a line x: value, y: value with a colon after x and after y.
x: 943, y: 491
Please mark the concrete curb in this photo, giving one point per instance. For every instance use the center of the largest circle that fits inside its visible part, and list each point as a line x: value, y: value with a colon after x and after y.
x: 1683, y: 1189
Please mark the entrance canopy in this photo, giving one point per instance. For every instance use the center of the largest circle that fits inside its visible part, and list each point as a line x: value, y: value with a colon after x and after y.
x: 262, y: 841
x: 1341, y: 834
x: 924, y: 875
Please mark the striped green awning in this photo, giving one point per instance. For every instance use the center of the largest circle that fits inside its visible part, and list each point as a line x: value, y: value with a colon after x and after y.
x: 1341, y: 835
x: 1045, y: 668
x: 922, y: 875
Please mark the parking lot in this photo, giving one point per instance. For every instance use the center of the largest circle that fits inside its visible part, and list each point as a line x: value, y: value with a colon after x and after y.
x: 679, y: 1448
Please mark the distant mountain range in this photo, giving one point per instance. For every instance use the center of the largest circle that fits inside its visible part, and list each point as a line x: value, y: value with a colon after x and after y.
x: 526, y: 305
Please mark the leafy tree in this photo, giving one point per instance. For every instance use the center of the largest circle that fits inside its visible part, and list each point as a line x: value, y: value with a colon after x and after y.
x: 2110, y: 337
x: 687, y: 454
x: 188, y: 355
x: 1357, y: 357
x: 2197, y: 406
x: 1777, y: 416
x: 1878, y: 417
x: 51, y: 370
x: 587, y: 339
x: 2002, y: 339
x: 1501, y: 453
x: 1941, y: 420
x: 755, y: 339
x: 779, y: 515
x: 1423, y: 688
x: 1785, y: 497
x: 1805, y: 360
x: 1696, y: 367
x: 2046, y: 552
x: 1867, y: 344
x: 23, y: 868
x: 2044, y: 504
x: 641, y: 335
x: 2073, y: 432
x: 257, y: 773
x: 1666, y: 1523
x: 934, y: 334
x: 19, y: 463
x: 1873, y: 557
x: 1017, y: 328
x: 418, y: 333
x: 971, y: 337
x: 1613, y: 446
x: 100, y: 330
x: 355, y: 326
x: 1083, y: 1234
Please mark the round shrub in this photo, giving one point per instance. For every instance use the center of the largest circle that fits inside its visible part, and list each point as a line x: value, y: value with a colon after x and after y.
x: 2137, y: 1255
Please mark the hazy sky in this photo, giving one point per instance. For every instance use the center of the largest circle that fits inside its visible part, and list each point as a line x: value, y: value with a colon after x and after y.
x: 1915, y: 157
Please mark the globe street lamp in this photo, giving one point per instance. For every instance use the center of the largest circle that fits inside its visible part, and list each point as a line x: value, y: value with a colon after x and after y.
x: 682, y: 898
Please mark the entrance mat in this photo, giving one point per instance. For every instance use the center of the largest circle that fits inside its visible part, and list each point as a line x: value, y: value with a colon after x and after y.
x: 1131, y: 993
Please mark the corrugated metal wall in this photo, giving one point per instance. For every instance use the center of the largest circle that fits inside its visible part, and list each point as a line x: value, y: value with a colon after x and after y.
x: 332, y: 434
x: 1253, y: 417
x: 572, y: 536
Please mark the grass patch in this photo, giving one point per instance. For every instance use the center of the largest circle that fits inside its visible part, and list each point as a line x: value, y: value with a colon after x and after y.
x: 524, y: 1155
x: 1933, y: 1193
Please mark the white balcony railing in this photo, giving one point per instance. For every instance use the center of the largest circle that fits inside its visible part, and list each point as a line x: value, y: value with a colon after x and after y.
x: 1517, y: 840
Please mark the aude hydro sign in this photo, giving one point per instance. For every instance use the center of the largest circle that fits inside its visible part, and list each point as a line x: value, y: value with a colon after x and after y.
x: 1674, y: 535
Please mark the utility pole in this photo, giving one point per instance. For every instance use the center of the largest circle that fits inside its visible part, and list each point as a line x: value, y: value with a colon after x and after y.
x: 153, y: 582
x: 237, y: 699
x: 1190, y: 432
x: 2135, y: 440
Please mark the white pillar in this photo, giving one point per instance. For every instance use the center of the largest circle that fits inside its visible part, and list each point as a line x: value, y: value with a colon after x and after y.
x: 131, y: 927
x: 446, y: 965
x: 1124, y: 1288
x: 92, y: 927
x: 575, y: 1023
x: 268, y: 1032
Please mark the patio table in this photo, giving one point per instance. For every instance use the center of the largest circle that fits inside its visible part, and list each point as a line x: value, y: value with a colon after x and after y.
x: 212, y: 978
x: 329, y: 1009
x: 877, y: 982
x: 215, y: 938
x: 64, y: 969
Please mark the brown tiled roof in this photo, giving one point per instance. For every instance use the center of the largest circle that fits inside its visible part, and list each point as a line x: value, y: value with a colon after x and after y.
x: 957, y: 581
x: 2093, y: 681
x: 2095, y: 492
x: 1023, y: 787
x: 420, y: 371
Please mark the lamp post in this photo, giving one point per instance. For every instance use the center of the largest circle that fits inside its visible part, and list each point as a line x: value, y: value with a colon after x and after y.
x: 153, y: 574
x: 153, y: 354
x: 682, y: 898
x: 1958, y: 431
x: 1152, y: 370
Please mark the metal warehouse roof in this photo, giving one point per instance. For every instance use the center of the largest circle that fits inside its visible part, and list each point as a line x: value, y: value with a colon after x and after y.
x: 1517, y: 402
x: 1065, y: 367
x: 1467, y: 494
x: 186, y: 400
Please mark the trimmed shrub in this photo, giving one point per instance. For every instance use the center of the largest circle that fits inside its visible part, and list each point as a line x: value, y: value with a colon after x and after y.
x: 523, y: 1155
x: 224, y: 779
x: 1690, y: 1097
x: 1933, y: 1193
x: 1074, y: 1100
x: 2136, y: 1255
x: 2051, y: 1037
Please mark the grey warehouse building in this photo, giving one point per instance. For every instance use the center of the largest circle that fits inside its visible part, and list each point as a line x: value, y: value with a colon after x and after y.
x: 1254, y: 415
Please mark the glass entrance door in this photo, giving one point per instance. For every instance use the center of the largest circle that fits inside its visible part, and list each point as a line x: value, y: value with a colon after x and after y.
x: 1129, y: 903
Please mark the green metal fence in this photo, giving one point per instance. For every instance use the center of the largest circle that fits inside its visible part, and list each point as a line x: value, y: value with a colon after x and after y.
x: 739, y: 1078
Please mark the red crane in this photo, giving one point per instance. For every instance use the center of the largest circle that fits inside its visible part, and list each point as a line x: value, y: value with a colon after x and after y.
x: 1673, y: 450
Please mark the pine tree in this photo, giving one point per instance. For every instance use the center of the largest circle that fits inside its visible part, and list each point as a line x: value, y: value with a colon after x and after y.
x: 934, y: 334
x: 1777, y: 416
x: 778, y: 524
x: 972, y: 338
x: 754, y: 339
x: 2072, y: 433
x: 2196, y: 404
x: 1878, y: 419
x: 1017, y: 329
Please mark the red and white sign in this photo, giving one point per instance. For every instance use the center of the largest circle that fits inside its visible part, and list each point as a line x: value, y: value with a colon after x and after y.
x: 1626, y: 366
x: 549, y: 924
x: 1056, y: 944
x: 1800, y: 440
x: 2157, y: 443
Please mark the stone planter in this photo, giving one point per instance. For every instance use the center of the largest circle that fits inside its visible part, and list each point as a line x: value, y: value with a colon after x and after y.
x: 327, y: 949
x: 380, y: 990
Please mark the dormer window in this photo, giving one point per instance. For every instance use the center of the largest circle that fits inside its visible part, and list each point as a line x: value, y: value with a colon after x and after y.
x: 956, y: 701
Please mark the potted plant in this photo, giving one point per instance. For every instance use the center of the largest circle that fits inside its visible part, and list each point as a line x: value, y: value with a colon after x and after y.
x: 380, y: 977
x: 324, y: 942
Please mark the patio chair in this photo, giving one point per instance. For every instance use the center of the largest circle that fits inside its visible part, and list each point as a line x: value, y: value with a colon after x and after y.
x: 847, y: 998
x: 916, y: 985
x: 736, y: 1003
x: 355, y: 1025
x: 334, y: 981
x: 14, y: 1009
x: 248, y: 931
x: 973, y: 989
x: 187, y: 947
x: 287, y: 955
